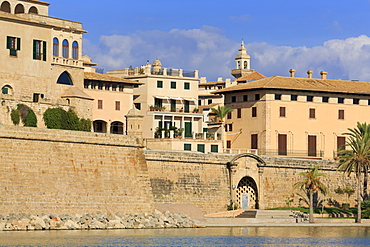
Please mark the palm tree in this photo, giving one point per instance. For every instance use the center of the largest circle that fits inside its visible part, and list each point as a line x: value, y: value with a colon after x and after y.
x: 221, y: 113
x: 357, y: 159
x: 311, y: 184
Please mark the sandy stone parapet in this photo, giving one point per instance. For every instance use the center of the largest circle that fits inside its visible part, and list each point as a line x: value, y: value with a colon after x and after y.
x: 27, y: 222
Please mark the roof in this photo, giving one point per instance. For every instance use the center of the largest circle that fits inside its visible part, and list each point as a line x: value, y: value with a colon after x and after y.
x: 212, y: 83
x: 252, y: 76
x: 212, y: 105
x: 74, y: 92
x: 103, y: 77
x: 36, y: 1
x: 302, y: 84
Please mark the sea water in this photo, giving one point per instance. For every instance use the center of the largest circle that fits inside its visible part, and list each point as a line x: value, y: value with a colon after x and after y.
x: 223, y: 236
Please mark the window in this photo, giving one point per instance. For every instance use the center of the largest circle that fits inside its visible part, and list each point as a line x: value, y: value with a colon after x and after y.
x: 368, y: 101
x: 5, y: 6
x: 65, y: 79
x: 209, y: 101
x: 36, y: 97
x: 282, y: 111
x: 118, y: 105
x: 173, y: 84
x: 254, y: 141
x: 233, y: 99
x: 186, y: 85
x: 199, y: 102
x: 257, y: 97
x: 282, y: 144
x: 277, y: 96
x: 254, y: 111
x: 340, y: 100
x: 309, y: 98
x: 55, y: 47
x: 75, y: 50
x: 65, y: 48
x: 239, y: 113
x: 187, y: 147
x: 325, y: 99
x: 341, y: 141
x: 186, y: 106
x: 340, y: 114
x: 137, y: 106
x: 173, y: 105
x: 229, y: 115
x: 201, y: 148
x: 159, y: 84
x: 312, y: 113
x: 228, y: 144
x: 214, y: 148
x: 158, y: 102
x: 311, y: 145
x: 6, y: 90
x: 39, y: 50
x: 33, y: 10
x: 356, y: 101
x: 245, y: 98
x: 100, y: 104
x: 293, y: 97
x: 14, y: 45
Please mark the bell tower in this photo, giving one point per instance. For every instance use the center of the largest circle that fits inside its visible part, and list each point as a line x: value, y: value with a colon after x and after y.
x: 242, y: 63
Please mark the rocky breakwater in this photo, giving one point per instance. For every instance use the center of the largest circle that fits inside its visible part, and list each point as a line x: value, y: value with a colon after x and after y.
x: 24, y: 222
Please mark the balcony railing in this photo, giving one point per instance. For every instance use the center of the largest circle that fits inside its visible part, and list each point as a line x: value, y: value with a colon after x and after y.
x: 188, y: 73
x: 168, y: 134
x: 291, y: 153
x: 241, y: 151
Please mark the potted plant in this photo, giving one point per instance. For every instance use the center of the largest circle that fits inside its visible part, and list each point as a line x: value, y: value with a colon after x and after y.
x: 195, y: 110
x: 151, y: 108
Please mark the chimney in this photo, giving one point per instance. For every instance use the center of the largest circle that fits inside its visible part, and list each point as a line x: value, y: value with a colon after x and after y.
x: 292, y: 71
x: 203, y: 79
x: 309, y: 73
x: 219, y: 79
x: 323, y: 75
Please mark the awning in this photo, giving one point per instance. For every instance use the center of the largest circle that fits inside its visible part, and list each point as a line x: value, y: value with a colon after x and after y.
x: 177, y: 98
x: 190, y: 100
x: 161, y: 97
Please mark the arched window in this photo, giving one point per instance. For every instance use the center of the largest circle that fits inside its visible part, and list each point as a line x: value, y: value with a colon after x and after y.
x: 245, y: 64
x: 100, y: 126
x: 5, y: 6
x: 65, y: 51
x: 65, y: 79
x: 19, y: 9
x: 6, y: 90
x: 55, y: 47
x: 116, y: 128
x: 33, y: 10
x: 75, y: 50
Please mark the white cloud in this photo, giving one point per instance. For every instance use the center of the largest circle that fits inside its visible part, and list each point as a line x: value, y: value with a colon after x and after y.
x: 207, y: 49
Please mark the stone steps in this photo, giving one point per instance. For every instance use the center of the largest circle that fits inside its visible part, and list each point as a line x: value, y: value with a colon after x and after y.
x: 266, y: 214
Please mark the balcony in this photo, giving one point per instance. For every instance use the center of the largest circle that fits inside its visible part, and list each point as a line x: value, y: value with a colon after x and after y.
x: 292, y: 153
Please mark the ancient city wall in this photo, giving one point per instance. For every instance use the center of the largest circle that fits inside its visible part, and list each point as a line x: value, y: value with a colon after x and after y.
x: 56, y: 171
x: 189, y: 178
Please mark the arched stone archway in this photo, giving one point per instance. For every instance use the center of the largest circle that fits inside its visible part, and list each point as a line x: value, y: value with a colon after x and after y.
x: 5, y: 6
x: 33, y: 10
x: 247, y: 194
x: 245, y: 176
x: 19, y: 9
x: 100, y: 126
x: 116, y: 128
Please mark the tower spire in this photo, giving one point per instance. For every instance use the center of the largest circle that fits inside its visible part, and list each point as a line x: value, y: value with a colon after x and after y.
x: 242, y: 62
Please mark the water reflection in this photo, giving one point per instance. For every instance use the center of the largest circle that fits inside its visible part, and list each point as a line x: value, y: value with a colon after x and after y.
x: 236, y: 236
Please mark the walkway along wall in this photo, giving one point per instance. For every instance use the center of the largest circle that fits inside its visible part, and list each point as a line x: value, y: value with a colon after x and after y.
x: 56, y: 171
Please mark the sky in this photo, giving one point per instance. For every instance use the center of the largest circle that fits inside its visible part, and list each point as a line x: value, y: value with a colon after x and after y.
x: 205, y: 35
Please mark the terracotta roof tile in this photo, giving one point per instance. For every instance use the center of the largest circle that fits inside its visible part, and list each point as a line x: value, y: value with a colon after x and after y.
x: 302, y: 84
x: 252, y: 76
x: 212, y: 83
x: 103, y: 77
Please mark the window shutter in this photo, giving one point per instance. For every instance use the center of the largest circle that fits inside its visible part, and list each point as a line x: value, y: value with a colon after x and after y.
x: 18, y: 44
x: 34, y: 49
x: 8, y: 42
x: 44, y: 50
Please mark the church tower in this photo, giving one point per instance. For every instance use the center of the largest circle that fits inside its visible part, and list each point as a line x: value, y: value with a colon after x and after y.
x: 243, y: 63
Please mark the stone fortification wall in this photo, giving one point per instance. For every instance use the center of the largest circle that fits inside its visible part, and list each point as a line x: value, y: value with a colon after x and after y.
x: 56, y: 171
x: 280, y: 174
x: 189, y: 178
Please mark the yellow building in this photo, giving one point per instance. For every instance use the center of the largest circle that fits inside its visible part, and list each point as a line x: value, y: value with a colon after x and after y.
x: 295, y: 117
x: 41, y: 63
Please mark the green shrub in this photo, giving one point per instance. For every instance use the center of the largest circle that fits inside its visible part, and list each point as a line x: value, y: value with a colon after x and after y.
x: 15, y: 116
x: 26, y: 114
x: 57, y: 118
x: 365, y: 209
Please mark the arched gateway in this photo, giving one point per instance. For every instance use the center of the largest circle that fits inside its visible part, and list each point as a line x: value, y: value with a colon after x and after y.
x: 244, y: 170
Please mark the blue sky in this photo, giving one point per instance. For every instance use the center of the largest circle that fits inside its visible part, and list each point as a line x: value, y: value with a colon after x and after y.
x: 205, y: 35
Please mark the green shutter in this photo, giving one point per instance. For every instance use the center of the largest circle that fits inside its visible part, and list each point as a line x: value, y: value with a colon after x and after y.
x: 44, y: 50
x: 8, y: 42
x: 187, y: 147
x: 200, y: 148
x: 34, y: 49
x: 18, y: 44
x: 214, y: 148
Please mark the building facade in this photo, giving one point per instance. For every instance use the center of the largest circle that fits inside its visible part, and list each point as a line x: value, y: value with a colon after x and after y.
x: 41, y: 61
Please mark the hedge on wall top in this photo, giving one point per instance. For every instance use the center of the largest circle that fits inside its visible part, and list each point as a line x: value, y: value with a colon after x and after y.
x: 57, y: 118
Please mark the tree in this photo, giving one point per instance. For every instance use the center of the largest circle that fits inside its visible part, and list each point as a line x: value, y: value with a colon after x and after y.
x: 312, y: 184
x: 221, y: 113
x: 357, y: 158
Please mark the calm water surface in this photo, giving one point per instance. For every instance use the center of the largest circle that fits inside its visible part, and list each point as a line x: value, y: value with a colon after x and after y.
x: 236, y: 236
